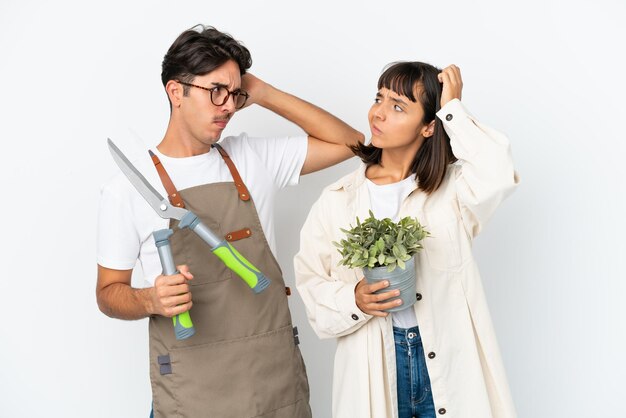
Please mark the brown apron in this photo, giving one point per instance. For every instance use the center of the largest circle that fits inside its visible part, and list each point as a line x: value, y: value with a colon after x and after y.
x: 243, y: 360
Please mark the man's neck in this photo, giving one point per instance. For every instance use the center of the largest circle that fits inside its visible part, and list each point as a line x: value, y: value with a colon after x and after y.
x: 178, y: 143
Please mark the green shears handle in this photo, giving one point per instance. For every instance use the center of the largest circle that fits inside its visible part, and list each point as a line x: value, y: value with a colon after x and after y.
x: 256, y: 280
x: 183, y: 327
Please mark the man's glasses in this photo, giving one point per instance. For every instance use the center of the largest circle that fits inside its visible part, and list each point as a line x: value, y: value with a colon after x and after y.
x: 220, y: 94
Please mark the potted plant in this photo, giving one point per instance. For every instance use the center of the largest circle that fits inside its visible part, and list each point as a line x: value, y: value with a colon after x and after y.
x: 385, y: 250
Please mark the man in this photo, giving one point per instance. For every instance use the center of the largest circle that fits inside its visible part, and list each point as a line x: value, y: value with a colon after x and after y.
x: 243, y: 360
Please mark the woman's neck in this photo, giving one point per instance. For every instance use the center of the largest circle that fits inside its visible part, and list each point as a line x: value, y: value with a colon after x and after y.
x: 395, y: 165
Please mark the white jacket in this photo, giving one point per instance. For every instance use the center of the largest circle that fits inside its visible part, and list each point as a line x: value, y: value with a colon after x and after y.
x: 466, y: 371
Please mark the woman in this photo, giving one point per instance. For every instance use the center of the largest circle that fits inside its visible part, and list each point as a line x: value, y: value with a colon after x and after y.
x: 428, y: 158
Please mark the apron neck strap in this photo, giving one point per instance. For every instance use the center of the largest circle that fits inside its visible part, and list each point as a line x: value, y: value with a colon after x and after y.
x: 174, y: 196
x: 241, y: 187
x: 172, y: 193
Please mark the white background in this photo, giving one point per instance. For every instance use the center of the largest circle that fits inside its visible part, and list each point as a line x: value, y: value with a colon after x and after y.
x: 549, y: 74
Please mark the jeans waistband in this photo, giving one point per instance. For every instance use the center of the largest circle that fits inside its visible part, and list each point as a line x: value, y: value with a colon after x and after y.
x: 406, y: 335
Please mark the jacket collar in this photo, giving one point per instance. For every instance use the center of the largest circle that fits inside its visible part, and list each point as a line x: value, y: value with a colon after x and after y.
x: 356, y: 179
x: 351, y: 181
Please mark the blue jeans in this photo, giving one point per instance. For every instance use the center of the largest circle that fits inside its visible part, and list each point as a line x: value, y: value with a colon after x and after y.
x: 415, y: 399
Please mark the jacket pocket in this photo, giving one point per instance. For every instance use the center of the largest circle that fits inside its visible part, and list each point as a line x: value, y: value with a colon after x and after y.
x: 443, y: 247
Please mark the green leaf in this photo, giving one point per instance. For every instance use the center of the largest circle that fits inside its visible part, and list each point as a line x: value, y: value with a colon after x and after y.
x: 380, y: 241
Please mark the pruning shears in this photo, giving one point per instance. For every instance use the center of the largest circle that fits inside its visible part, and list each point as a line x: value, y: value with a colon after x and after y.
x: 253, y: 277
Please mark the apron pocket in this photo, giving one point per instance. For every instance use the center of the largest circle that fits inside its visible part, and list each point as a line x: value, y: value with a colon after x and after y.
x: 247, y: 377
x: 200, y: 259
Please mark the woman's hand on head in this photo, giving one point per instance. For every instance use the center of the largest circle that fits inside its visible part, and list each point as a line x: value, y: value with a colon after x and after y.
x: 452, y: 84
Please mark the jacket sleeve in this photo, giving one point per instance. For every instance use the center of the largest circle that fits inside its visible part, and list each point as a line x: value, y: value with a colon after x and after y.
x: 484, y: 175
x: 330, y: 303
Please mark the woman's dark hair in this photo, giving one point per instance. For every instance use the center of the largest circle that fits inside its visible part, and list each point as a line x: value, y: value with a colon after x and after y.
x: 198, y: 52
x: 435, y: 154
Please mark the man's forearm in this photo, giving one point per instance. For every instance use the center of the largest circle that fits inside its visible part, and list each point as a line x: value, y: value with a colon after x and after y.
x: 119, y: 300
x: 315, y: 121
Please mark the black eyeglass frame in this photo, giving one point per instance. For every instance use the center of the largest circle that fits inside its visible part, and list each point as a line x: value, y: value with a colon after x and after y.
x: 212, y: 90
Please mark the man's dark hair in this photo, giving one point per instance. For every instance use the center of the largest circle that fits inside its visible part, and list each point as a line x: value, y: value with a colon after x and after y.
x: 432, y: 159
x: 200, y: 50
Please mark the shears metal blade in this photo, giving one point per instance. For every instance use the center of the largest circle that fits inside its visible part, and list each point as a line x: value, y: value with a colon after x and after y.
x: 160, y: 205
x: 187, y: 219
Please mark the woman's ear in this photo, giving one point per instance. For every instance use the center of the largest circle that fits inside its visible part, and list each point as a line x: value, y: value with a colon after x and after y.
x: 175, y: 92
x: 428, y: 130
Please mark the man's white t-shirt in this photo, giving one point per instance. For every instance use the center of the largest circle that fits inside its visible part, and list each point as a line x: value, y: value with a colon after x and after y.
x: 126, y: 221
x: 386, y: 200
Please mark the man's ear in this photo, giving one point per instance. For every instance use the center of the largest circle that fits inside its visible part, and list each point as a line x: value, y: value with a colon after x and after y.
x: 175, y: 92
x: 428, y: 130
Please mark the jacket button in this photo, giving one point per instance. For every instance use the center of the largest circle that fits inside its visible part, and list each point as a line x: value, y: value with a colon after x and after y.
x: 418, y: 296
x: 449, y: 117
x: 431, y: 355
x: 442, y: 411
x: 355, y: 317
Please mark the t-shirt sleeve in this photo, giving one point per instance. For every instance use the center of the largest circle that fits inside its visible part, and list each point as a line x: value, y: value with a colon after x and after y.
x: 283, y: 157
x: 118, y: 242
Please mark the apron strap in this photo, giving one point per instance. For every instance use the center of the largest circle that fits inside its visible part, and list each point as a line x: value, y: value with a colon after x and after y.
x: 237, y: 235
x: 174, y: 196
x: 172, y: 193
x: 176, y: 200
x: 241, y: 187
